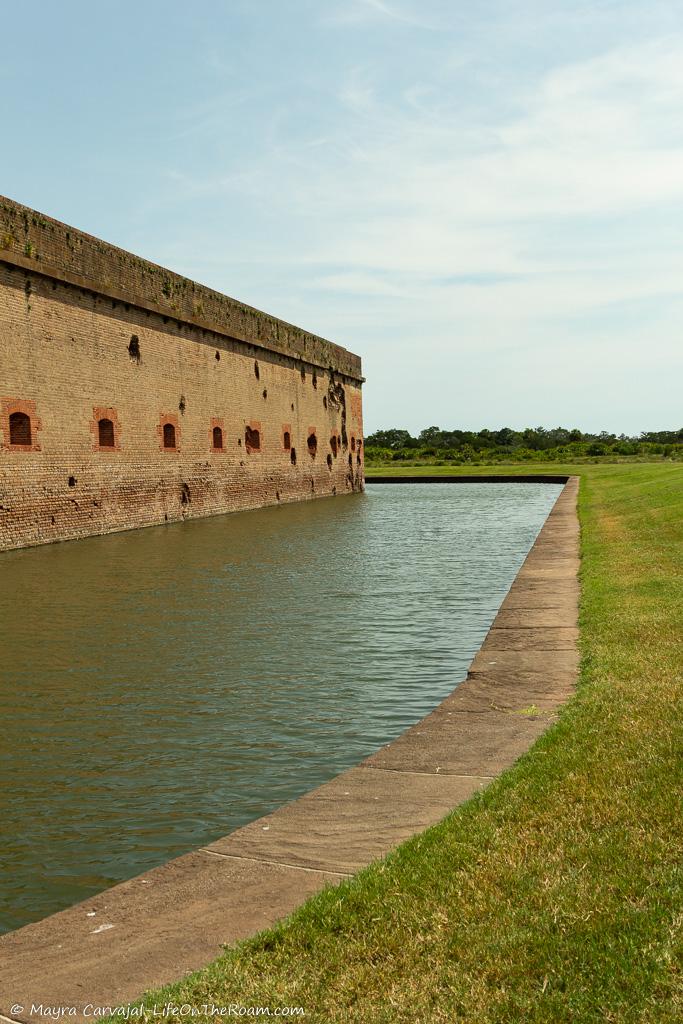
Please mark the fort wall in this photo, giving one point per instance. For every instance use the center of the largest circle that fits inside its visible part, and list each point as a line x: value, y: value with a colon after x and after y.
x: 130, y: 396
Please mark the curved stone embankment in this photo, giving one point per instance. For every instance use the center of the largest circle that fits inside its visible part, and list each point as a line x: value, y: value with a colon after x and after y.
x: 151, y: 930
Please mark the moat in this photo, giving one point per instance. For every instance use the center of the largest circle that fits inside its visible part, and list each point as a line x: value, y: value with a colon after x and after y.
x: 159, y: 688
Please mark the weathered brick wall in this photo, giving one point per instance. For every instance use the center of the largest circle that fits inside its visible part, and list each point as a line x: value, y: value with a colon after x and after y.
x: 72, y: 355
x: 32, y: 240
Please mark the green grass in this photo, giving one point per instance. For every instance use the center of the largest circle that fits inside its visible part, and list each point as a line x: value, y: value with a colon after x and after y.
x: 556, y: 894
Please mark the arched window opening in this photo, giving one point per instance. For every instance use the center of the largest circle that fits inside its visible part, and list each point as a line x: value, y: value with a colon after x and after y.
x: 105, y: 433
x: 169, y: 435
x: 312, y: 445
x: 287, y: 440
x: 217, y: 438
x: 252, y: 439
x: 19, y: 428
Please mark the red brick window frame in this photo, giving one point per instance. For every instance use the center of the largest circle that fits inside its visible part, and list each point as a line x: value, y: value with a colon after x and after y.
x: 105, y: 412
x: 168, y: 420
x: 253, y: 436
x: 287, y: 437
x: 9, y: 407
x: 217, y: 425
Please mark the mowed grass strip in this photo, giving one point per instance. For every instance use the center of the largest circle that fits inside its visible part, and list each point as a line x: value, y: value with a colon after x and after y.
x: 556, y: 895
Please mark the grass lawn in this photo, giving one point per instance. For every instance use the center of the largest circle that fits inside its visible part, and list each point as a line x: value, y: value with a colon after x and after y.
x: 556, y: 895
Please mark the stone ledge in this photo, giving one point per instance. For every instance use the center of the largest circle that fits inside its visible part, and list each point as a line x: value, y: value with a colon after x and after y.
x: 356, y: 818
x: 482, y: 742
x: 531, y: 638
x: 145, y: 932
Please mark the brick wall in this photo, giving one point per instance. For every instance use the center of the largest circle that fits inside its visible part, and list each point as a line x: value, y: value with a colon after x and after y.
x: 140, y: 417
x: 31, y: 240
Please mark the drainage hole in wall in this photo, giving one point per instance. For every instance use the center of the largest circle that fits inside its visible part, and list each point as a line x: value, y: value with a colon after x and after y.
x: 134, y: 348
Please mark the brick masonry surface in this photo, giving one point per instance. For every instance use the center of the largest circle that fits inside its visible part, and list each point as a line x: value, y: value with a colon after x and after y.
x: 125, y: 370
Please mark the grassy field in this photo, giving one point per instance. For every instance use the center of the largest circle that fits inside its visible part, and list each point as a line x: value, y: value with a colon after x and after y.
x: 556, y: 895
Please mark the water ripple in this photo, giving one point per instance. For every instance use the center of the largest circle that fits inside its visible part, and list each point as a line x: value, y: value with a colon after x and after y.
x: 162, y: 687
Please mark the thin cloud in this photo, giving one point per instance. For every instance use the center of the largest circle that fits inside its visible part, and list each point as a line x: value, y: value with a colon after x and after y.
x: 362, y: 12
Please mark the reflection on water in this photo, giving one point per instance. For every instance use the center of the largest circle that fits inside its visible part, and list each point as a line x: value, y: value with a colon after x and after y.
x: 162, y: 687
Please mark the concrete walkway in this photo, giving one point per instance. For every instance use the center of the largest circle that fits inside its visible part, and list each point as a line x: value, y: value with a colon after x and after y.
x: 154, y: 928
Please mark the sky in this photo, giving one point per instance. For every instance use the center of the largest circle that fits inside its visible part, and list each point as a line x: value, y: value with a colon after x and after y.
x: 484, y: 200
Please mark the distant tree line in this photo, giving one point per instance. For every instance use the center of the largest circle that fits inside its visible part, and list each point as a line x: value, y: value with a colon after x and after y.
x: 506, y: 444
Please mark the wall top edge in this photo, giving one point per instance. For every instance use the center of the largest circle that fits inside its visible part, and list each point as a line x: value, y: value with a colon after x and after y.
x: 40, y: 244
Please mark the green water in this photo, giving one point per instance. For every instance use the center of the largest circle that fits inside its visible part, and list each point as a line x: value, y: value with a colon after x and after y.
x: 162, y: 687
